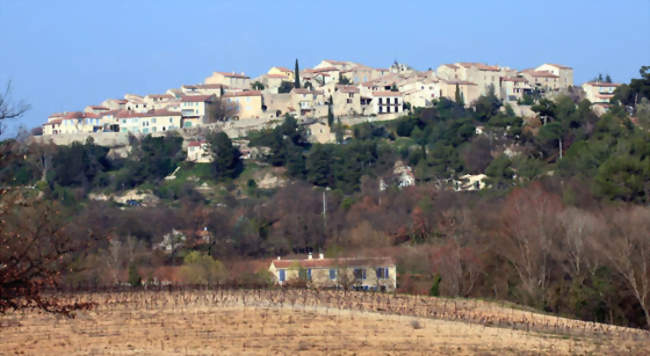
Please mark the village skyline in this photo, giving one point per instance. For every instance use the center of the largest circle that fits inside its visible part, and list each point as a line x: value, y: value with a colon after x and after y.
x: 120, y: 51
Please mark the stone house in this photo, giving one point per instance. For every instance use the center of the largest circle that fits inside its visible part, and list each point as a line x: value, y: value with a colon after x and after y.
x: 308, y: 102
x: 233, y: 80
x: 371, y: 273
x: 386, y: 102
x: 199, y: 151
x: 599, y: 92
x: 285, y: 73
x: 542, y: 80
x: 565, y: 73
x: 514, y: 88
x: 150, y: 122
x: 469, y: 90
x: 346, y: 100
x: 198, y: 106
x: 247, y: 103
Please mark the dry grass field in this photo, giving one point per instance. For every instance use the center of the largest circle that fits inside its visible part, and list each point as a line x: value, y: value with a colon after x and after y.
x: 238, y: 322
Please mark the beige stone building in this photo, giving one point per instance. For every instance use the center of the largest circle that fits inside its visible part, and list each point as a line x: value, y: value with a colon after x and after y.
x: 599, y: 92
x: 198, y: 106
x: 469, y: 90
x: 248, y: 104
x: 565, y: 73
x: 115, y: 104
x: 150, y: 122
x: 233, y: 80
x: 199, y: 152
x: 386, y: 102
x: 346, y: 100
x: 308, y: 102
x: 205, y: 89
x: 285, y: 73
x: 379, y: 273
x: 72, y: 123
x: 544, y: 81
x: 318, y: 131
x: 514, y: 88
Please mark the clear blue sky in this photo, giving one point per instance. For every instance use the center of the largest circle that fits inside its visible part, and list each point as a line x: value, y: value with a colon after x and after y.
x: 63, y: 55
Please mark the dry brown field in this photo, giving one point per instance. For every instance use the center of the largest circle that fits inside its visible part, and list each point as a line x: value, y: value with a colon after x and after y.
x: 299, y: 322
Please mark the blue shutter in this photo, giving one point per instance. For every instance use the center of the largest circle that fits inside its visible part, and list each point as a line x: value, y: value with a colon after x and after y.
x: 282, y: 276
x: 332, y: 273
x: 309, y: 274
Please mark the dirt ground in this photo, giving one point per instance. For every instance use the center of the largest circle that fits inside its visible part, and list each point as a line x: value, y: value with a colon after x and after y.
x: 197, y: 328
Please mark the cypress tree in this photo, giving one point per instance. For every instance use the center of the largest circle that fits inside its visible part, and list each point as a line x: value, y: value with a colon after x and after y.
x: 296, y: 74
x: 459, y: 97
x: 330, y: 114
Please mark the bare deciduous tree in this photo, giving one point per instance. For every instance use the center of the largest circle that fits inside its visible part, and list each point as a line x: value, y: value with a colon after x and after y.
x: 35, y: 248
x: 223, y: 110
x: 9, y: 110
x: 628, y: 250
x: 529, y: 224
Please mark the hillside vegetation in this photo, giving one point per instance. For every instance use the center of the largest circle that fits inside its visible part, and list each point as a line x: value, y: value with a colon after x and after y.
x: 562, y: 225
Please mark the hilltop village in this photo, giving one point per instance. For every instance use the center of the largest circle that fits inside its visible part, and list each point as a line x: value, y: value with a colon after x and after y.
x: 351, y: 92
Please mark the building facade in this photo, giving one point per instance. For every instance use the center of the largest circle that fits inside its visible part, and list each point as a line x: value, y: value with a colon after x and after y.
x: 378, y: 273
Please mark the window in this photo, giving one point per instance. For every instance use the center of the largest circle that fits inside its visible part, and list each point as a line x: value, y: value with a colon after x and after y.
x: 309, y: 274
x: 170, y: 120
x: 332, y: 274
x: 359, y: 273
x: 379, y: 101
x: 282, y: 275
x: 380, y: 109
x: 396, y: 101
x: 382, y: 272
x: 153, y: 120
x: 388, y: 109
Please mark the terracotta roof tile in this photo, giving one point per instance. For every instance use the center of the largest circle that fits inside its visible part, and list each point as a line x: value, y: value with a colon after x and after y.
x: 244, y: 93
x: 386, y: 93
x: 336, y: 262
x: 196, y: 98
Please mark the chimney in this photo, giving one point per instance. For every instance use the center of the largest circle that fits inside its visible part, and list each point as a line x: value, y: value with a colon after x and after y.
x: 309, y: 256
x: 321, y: 256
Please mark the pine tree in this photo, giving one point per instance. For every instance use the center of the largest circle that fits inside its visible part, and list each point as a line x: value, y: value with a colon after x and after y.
x: 608, y: 79
x: 296, y: 74
x: 227, y: 158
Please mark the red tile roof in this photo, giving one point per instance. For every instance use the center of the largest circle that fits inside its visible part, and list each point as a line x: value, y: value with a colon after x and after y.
x: 540, y: 73
x: 276, y: 76
x: 211, y: 86
x: 195, y: 143
x: 233, y: 75
x: 153, y: 113
x: 283, y: 69
x: 196, y: 98
x: 336, y: 262
x: 347, y: 88
x: 459, y: 82
x: 244, y: 93
x: 514, y: 79
x: 560, y: 66
x: 603, y: 84
x: 386, y: 93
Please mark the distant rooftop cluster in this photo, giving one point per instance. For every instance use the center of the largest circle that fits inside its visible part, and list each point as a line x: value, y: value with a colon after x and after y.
x: 345, y: 88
